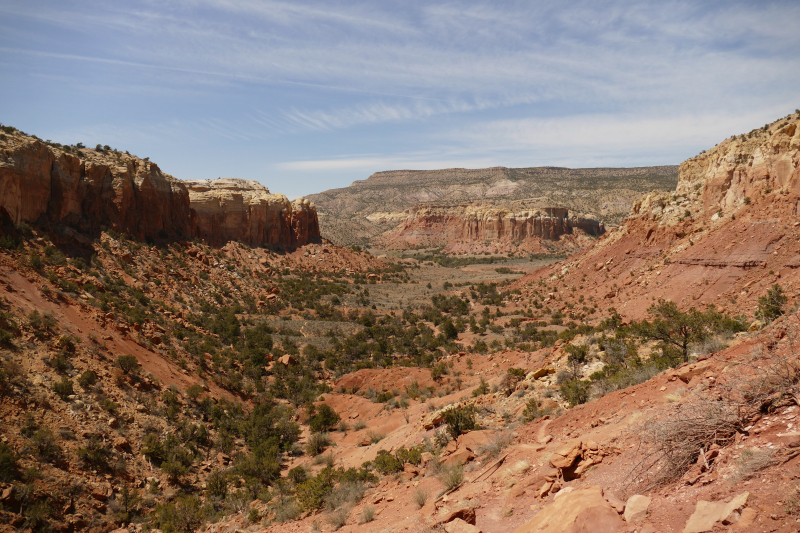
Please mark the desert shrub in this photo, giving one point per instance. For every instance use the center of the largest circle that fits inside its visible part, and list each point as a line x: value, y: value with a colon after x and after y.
x: 317, y: 443
x: 532, y: 410
x: 481, y: 389
x: 671, y: 444
x: 772, y: 304
x: 9, y: 468
x: 375, y: 437
x: 338, y: 518
x: 751, y: 462
x: 87, y: 379
x: 575, y: 391
x: 64, y: 388
x: 127, y: 504
x: 94, y: 453
x: 420, y: 497
x: 496, y: 444
x: 311, y: 493
x: 285, y: 509
x: 386, y: 463
x: 451, y: 476
x: 297, y: 475
x: 367, y: 514
x: 217, y: 485
x: 184, y: 515
x: 460, y: 420
x: 43, y: 444
x: 324, y: 419
x: 347, y: 494
x: 194, y: 391
x: 358, y: 426
x: 10, y: 372
x: 510, y: 380
x: 42, y: 324
x: 127, y: 363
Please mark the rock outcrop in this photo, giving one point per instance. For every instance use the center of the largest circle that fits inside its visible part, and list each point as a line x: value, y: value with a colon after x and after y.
x: 724, y: 236
x: 90, y: 189
x: 447, y: 225
x: 128, y: 195
x: 235, y: 209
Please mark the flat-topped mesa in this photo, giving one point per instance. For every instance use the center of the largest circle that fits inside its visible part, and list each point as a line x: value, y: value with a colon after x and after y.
x: 439, y: 225
x: 90, y: 189
x: 236, y: 209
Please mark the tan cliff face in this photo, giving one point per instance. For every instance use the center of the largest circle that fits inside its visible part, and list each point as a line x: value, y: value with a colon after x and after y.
x: 443, y: 225
x: 236, y: 209
x: 727, y: 233
x: 130, y: 195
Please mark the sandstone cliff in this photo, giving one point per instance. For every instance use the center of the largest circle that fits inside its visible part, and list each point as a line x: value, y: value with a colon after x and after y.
x: 727, y: 233
x: 452, y: 226
x: 235, y: 209
x: 364, y: 211
x: 88, y: 189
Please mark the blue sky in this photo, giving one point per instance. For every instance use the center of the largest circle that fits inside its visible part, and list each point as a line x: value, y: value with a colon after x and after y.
x: 306, y: 96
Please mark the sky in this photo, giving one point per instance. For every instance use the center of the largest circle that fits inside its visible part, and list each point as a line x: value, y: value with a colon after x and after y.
x: 308, y: 96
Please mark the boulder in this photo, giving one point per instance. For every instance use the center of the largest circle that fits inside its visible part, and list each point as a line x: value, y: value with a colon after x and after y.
x: 708, y: 514
x: 577, y: 511
x: 636, y: 508
x: 474, y: 440
x: 566, y: 454
x: 459, y: 526
x: 466, y: 514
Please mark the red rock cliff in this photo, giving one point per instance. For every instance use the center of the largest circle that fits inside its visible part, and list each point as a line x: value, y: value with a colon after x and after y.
x: 131, y: 195
x: 439, y: 225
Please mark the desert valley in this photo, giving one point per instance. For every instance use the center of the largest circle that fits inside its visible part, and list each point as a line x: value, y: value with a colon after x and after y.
x: 505, y: 350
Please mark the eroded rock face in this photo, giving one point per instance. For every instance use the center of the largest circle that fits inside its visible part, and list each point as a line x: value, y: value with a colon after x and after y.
x: 236, y: 209
x: 439, y: 225
x: 130, y: 195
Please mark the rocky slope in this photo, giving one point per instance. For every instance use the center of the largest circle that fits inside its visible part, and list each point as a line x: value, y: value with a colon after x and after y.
x: 362, y: 212
x: 461, y: 227
x: 88, y: 189
x: 728, y: 231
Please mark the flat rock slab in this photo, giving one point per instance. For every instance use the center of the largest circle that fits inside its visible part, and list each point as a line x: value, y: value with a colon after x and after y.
x: 578, y: 511
x: 707, y: 514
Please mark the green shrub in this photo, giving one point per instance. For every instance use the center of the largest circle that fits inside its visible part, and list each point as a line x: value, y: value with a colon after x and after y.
x: 87, y: 379
x: 217, y: 485
x: 532, y: 410
x: 311, y: 493
x: 43, y: 444
x: 184, y: 515
x: 324, y: 419
x: 194, y: 391
x: 64, y: 388
x: 9, y: 469
x: 451, y: 476
x: 127, y: 363
x: 94, y: 453
x: 772, y: 304
x: 460, y: 420
x: 575, y: 391
x: 385, y: 463
x: 481, y: 389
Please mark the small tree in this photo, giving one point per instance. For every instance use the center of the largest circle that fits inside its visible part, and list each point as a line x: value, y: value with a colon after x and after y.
x: 324, y: 419
x: 127, y: 363
x: 771, y: 305
x: 675, y: 328
x: 576, y: 358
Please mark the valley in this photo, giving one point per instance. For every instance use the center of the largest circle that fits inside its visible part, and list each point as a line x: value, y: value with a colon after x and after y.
x: 184, y: 356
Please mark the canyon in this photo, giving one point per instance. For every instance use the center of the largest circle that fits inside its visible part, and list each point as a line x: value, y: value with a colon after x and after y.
x: 369, y: 212
x: 196, y: 379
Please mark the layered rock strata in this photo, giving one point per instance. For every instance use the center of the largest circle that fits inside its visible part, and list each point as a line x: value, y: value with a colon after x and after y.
x: 88, y: 189
x: 235, y: 209
x: 727, y: 233
x: 442, y: 225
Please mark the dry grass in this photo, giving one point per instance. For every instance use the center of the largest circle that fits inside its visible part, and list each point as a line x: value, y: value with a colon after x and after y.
x: 751, y: 462
x: 420, y: 497
x: 671, y: 444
